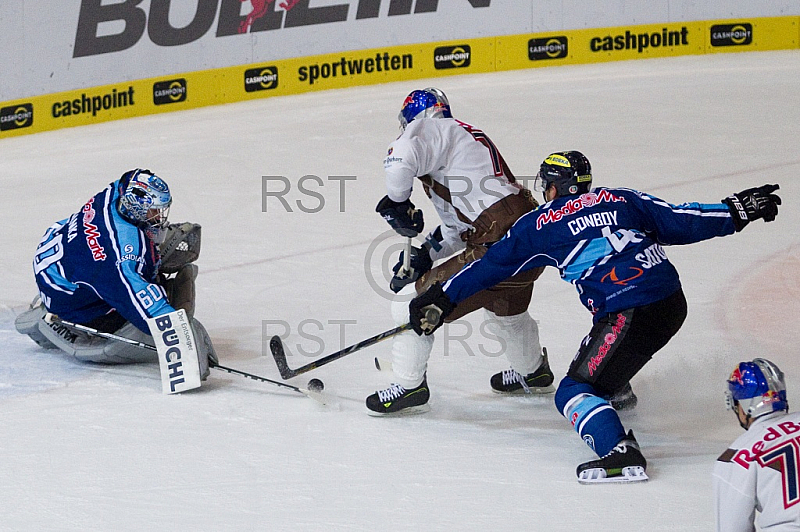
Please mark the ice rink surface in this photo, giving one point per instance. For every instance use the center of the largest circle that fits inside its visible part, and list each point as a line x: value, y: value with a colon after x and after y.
x: 100, y: 448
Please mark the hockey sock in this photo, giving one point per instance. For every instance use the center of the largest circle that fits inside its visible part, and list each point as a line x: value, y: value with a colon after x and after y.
x: 593, y: 418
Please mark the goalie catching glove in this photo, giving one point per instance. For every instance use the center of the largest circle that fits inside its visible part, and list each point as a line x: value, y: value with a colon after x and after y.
x: 403, y: 216
x: 181, y: 246
x: 753, y: 204
x: 428, y: 311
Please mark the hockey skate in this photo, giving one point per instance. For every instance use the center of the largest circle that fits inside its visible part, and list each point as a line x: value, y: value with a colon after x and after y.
x: 624, y: 399
x: 625, y: 463
x: 396, y: 400
x: 511, y: 382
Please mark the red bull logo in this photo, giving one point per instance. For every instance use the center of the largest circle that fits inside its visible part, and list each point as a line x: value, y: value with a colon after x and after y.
x: 260, y: 8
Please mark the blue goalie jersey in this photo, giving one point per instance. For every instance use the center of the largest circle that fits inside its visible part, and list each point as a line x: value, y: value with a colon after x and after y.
x: 607, y: 242
x: 95, y: 262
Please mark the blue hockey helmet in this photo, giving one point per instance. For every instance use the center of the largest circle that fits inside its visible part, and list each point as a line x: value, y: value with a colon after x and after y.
x: 425, y: 103
x: 144, y: 200
x: 569, y: 171
x: 757, y: 386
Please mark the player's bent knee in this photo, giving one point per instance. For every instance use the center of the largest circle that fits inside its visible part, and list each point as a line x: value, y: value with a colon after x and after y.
x: 569, y: 388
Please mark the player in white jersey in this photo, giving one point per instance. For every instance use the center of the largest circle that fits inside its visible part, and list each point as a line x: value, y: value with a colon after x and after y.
x: 760, y: 472
x: 477, y: 199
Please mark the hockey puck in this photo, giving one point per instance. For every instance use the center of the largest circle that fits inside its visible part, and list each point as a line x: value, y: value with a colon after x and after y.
x: 315, y: 385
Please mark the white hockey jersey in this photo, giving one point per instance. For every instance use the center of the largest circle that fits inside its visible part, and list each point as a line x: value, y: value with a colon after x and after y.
x: 761, y: 471
x: 460, y: 158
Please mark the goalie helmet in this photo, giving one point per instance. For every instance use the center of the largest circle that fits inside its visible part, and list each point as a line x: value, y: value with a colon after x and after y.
x: 569, y: 171
x: 757, y: 386
x: 425, y: 103
x: 144, y: 200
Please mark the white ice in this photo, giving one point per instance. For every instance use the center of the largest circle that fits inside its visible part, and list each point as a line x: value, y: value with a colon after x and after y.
x: 88, y: 447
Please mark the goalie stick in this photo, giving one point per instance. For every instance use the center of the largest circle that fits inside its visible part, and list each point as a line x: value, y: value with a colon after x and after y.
x: 279, y: 354
x: 52, y: 318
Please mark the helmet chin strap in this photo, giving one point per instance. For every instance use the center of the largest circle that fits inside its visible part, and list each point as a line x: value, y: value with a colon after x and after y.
x: 740, y: 413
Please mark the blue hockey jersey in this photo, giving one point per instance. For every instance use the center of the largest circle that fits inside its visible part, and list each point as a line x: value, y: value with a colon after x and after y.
x: 95, y: 261
x: 607, y: 242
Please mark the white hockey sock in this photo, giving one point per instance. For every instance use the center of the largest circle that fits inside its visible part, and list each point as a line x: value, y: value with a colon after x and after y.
x: 410, y: 352
x: 520, y: 336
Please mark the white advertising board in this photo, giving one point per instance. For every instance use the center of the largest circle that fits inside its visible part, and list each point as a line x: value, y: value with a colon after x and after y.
x: 50, y: 46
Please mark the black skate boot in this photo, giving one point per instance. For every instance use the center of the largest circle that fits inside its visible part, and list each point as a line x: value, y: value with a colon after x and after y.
x: 624, y: 463
x: 512, y: 382
x: 397, y: 400
x: 623, y: 399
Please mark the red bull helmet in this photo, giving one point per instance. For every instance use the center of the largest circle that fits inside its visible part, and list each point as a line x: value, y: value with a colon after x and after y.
x: 425, y: 103
x: 757, y: 386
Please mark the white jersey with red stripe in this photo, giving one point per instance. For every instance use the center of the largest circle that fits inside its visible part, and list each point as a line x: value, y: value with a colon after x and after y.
x: 760, y: 472
x: 460, y: 158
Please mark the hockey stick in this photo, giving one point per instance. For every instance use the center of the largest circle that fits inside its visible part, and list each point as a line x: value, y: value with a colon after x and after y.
x: 279, y: 354
x: 406, y: 271
x: 52, y: 318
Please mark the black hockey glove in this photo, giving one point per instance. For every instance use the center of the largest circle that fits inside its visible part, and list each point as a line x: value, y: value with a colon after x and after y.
x: 428, y: 311
x: 421, y: 262
x: 752, y: 204
x: 403, y: 217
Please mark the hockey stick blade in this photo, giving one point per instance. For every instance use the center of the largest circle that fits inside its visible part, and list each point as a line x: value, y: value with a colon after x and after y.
x: 276, y: 346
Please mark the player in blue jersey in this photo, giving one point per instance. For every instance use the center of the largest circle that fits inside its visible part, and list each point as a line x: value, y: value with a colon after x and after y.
x: 109, y: 267
x: 608, y: 242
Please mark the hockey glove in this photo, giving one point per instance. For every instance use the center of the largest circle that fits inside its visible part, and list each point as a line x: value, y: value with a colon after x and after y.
x: 428, y: 311
x: 421, y: 262
x: 752, y: 204
x: 403, y: 217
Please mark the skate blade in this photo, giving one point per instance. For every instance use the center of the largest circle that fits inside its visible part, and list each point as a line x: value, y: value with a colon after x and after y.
x: 410, y: 411
x: 534, y: 391
x: 598, y: 475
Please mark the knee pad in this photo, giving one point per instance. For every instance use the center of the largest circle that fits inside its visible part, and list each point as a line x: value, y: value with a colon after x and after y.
x: 520, y: 337
x: 592, y: 417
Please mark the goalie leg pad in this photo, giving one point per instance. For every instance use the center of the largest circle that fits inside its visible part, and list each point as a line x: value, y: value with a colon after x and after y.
x: 29, y: 322
x: 87, y: 348
x: 206, y: 355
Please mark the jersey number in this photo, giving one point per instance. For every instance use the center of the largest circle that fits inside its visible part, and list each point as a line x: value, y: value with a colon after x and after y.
x: 621, y: 238
x: 48, y: 254
x: 149, y: 295
x: 785, y: 459
x: 498, y: 164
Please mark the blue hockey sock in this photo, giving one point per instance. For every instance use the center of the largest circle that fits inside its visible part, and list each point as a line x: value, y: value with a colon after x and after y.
x: 593, y: 418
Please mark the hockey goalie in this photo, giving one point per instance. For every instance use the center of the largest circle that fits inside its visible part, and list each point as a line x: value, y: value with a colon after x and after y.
x: 111, y: 267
